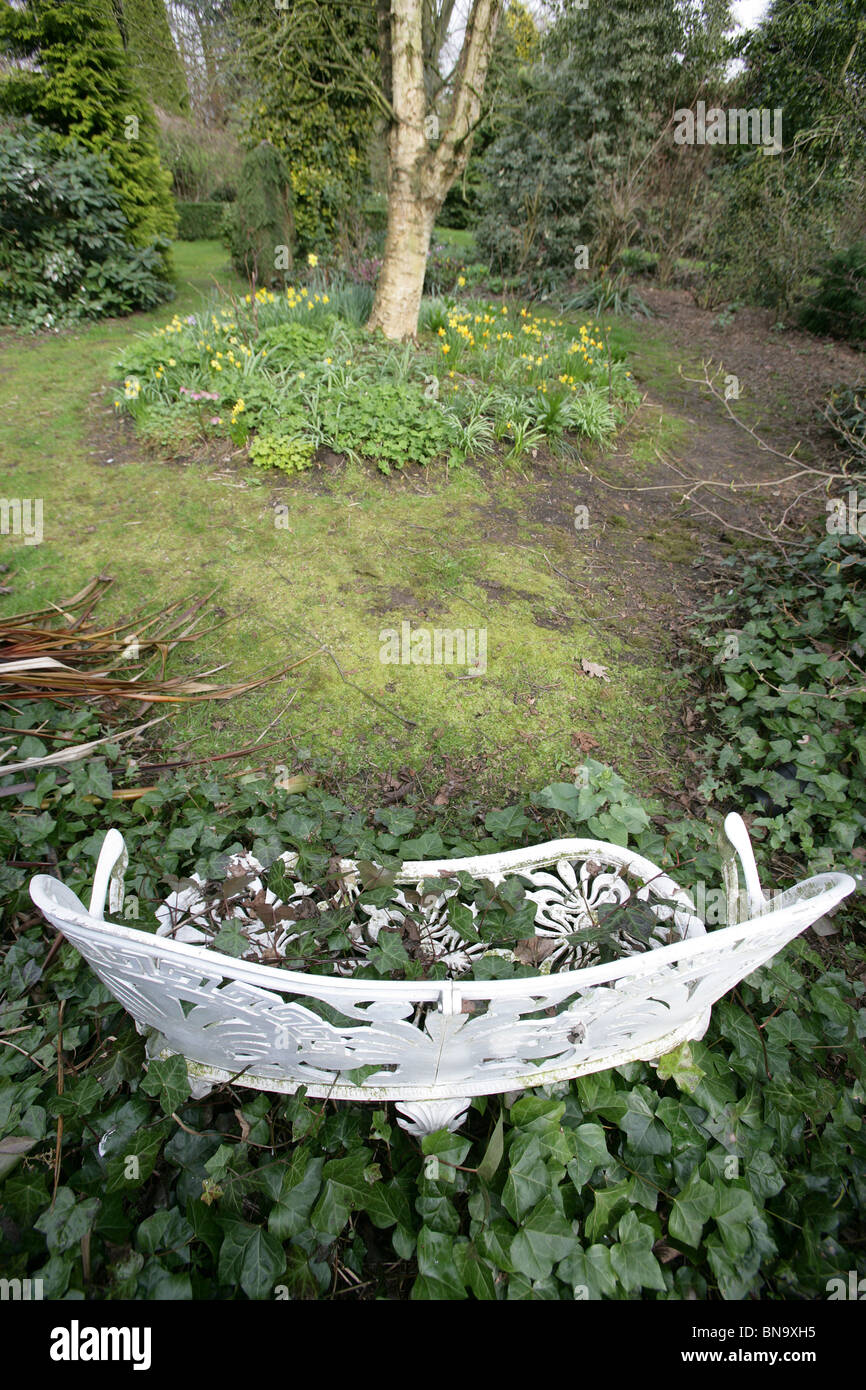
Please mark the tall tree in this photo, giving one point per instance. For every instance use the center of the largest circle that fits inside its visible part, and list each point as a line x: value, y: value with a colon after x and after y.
x: 431, y: 107
x: 561, y: 174
x: 148, y: 40
x: 432, y: 118
x: 73, y: 75
x: 202, y: 35
x: 292, y: 97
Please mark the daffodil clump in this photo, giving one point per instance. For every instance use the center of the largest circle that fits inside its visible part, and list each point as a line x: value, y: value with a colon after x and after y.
x: 296, y: 364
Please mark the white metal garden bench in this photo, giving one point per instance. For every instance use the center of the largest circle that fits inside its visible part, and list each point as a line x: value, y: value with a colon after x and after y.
x: 431, y: 1046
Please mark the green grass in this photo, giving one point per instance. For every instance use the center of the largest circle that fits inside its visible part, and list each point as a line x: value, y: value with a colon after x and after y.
x: 359, y: 555
x: 457, y: 236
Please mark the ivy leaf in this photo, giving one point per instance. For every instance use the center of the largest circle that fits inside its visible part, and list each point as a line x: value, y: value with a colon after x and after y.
x: 132, y: 1165
x: 68, y: 1221
x: 345, y: 1188
x: 426, y: 846
x: 165, y: 1230
x: 646, y: 1134
x: 733, y: 1212
x: 230, y: 939
x: 477, y: 1274
x: 81, y: 1098
x: 461, y: 919
x: 26, y: 1194
x: 588, y: 1270
x: 389, y: 954
x: 609, y: 1203
x: 494, y: 1243
x: 592, y: 1152
x: 763, y: 1176
x: 439, y: 1276
x: 251, y: 1257
x: 507, y: 824
x: 397, y: 820
x: 632, y: 1259
x: 168, y: 1079
x: 560, y: 796
x: 680, y: 1067
x: 597, y: 1092
x: 691, y: 1210
x: 158, y: 1283
x: 528, y: 1178
x: 543, y: 1240
x: 386, y: 1205
x: 124, y: 1061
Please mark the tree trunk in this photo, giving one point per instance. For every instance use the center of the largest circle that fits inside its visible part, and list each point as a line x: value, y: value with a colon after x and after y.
x: 401, y: 280
x: 419, y: 175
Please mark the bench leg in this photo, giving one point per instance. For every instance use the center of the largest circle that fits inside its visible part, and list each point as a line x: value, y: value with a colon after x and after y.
x: 425, y: 1116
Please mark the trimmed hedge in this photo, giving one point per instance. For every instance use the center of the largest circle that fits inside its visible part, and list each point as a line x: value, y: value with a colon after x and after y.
x: 200, y: 220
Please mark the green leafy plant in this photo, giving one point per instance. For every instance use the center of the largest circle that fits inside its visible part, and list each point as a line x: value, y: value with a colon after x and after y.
x: 300, y: 364
x: 66, y: 252
x: 782, y: 659
x: 391, y: 423
x: 838, y: 306
x: 610, y: 294
x: 289, y: 453
x: 74, y: 77
x: 734, y: 1170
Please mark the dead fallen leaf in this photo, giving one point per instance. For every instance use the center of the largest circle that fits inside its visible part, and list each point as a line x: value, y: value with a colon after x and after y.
x: 666, y: 1253
x: 534, y: 949
x: 592, y: 668
x: 585, y: 742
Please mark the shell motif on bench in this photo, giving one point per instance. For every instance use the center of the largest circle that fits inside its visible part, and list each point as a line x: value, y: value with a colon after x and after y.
x: 430, y: 1046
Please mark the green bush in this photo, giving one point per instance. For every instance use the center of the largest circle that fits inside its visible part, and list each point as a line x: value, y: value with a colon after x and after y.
x: 260, y: 221
x: 74, y: 77
x: 198, y: 221
x: 65, y: 247
x: 391, y: 422
x: 838, y: 306
x: 204, y: 161
x: 784, y: 646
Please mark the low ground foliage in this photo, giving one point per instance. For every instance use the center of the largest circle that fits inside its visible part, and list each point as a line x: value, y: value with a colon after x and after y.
x: 292, y: 372
x: 784, y: 646
x: 736, y: 1170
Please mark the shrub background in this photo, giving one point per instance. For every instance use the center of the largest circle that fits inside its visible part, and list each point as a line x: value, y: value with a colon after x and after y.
x: 65, y: 246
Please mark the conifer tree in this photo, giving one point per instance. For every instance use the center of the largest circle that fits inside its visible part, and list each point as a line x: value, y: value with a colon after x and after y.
x: 78, y: 80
